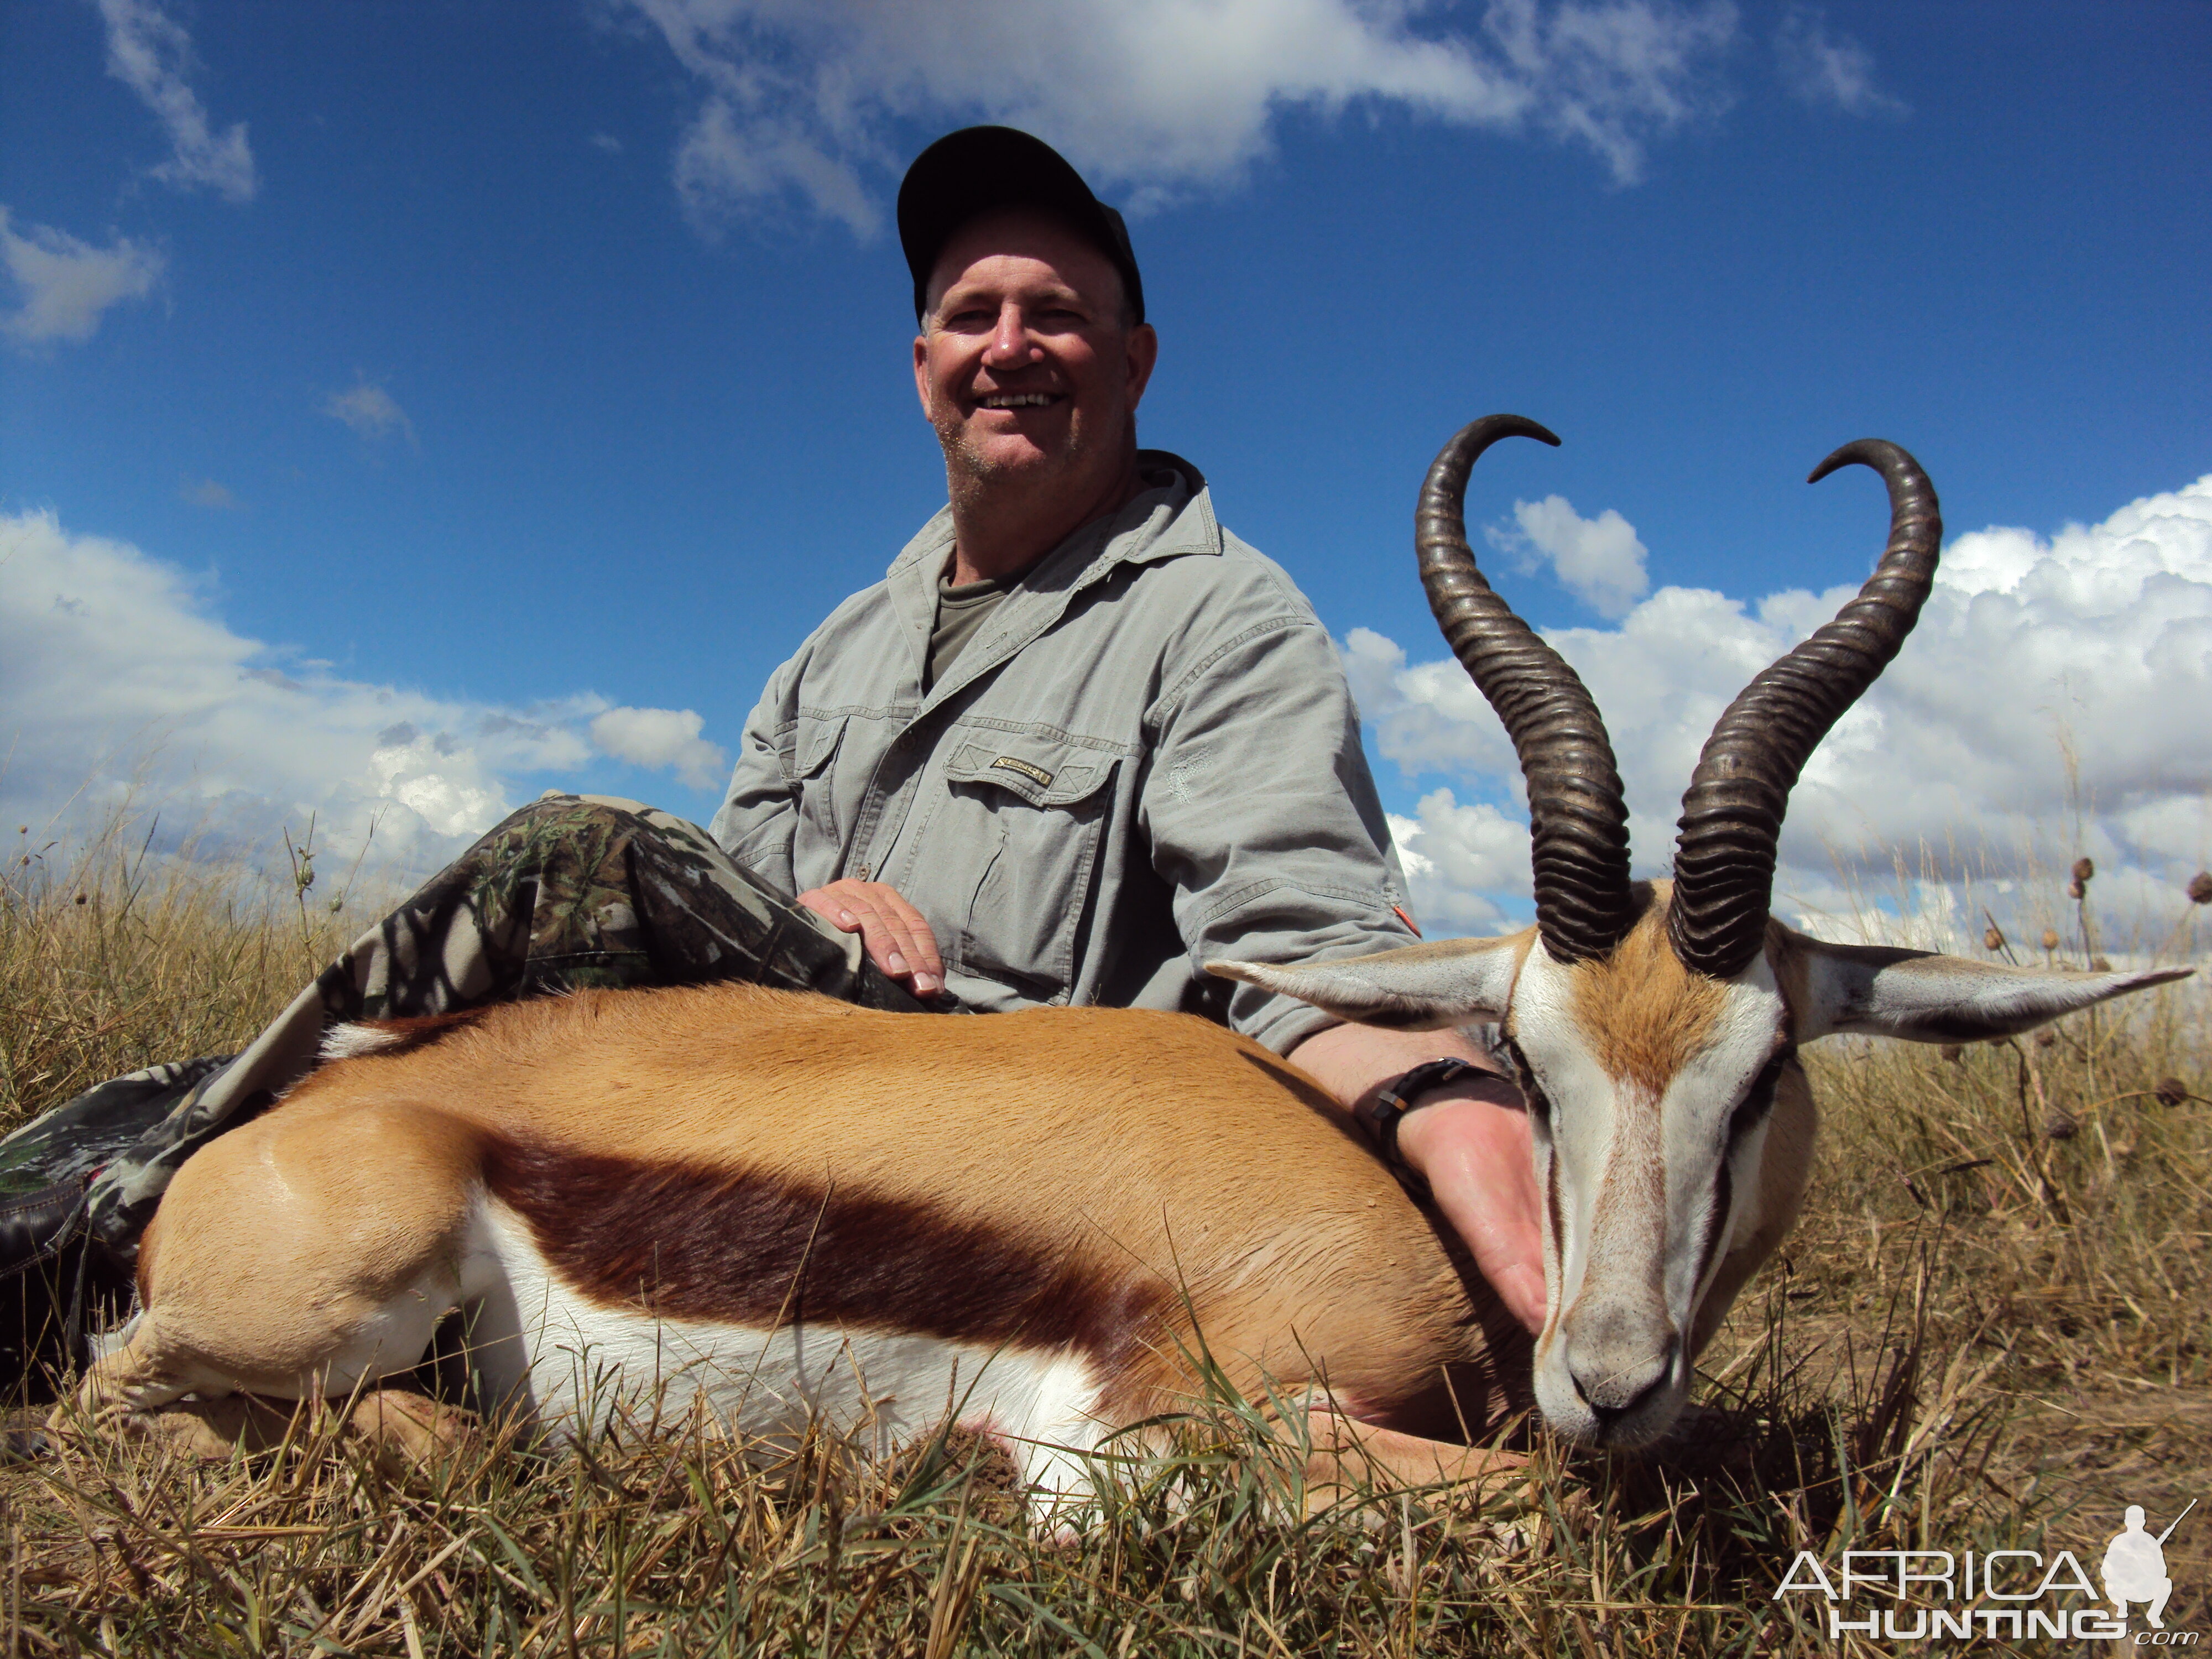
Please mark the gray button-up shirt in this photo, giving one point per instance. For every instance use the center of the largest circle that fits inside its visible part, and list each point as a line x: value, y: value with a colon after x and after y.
x: 1148, y: 759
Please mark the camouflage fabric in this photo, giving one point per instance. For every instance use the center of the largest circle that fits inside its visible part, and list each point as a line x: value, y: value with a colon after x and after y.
x: 573, y: 891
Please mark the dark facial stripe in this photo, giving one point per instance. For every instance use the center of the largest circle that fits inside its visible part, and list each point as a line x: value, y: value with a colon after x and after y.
x: 1717, y: 1222
x: 1750, y: 1112
x: 1552, y: 1202
x: 745, y: 1249
x: 1758, y: 1100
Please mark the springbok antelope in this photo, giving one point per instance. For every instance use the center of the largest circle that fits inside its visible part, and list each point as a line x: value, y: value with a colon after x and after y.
x: 782, y: 1206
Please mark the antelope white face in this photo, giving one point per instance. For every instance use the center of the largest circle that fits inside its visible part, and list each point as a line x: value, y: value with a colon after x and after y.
x: 1673, y: 1123
x: 1650, y: 1092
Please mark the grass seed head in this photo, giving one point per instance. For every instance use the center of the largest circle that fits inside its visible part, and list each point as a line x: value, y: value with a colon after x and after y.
x: 2200, y: 888
x: 2169, y: 1091
x: 1993, y: 940
x: 2061, y: 1126
x: 2050, y: 938
x: 2083, y: 869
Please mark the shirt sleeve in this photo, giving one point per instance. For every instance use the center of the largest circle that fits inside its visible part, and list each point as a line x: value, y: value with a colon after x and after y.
x: 1264, y: 821
x: 759, y: 816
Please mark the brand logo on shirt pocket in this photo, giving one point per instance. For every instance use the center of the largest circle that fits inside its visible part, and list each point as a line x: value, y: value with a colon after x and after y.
x: 1037, y: 773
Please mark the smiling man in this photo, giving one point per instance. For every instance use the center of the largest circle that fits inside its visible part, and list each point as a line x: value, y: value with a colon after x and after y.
x: 1081, y: 740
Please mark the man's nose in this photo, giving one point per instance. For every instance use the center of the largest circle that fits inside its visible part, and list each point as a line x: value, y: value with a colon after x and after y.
x: 1010, y: 346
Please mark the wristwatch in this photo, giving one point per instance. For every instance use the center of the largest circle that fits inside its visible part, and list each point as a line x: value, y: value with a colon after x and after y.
x: 1380, y: 1115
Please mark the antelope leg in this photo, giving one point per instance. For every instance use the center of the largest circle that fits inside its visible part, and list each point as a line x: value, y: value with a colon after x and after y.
x: 1348, y: 1455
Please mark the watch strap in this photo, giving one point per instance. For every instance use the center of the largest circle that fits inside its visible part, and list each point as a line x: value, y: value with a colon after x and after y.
x: 1381, y: 1114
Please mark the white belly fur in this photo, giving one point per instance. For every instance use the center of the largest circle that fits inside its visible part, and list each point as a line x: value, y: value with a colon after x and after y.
x: 573, y: 1362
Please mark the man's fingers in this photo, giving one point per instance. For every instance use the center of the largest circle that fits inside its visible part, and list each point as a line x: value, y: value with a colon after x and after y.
x: 825, y: 903
x: 896, y: 937
x: 912, y: 930
x: 888, y: 925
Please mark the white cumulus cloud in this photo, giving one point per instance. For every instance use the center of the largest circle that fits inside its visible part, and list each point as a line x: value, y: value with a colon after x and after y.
x: 115, y: 673
x: 150, y: 53
x: 1821, y: 68
x: 660, y: 740
x: 64, y: 286
x: 2052, y: 683
x: 799, y: 98
x: 1600, y: 561
x: 1459, y: 860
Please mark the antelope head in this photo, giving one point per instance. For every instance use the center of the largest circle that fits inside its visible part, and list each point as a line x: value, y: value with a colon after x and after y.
x: 1655, y: 1026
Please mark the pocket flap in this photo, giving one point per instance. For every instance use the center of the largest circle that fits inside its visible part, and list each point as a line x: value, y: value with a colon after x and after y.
x: 1042, y: 771
x: 813, y: 745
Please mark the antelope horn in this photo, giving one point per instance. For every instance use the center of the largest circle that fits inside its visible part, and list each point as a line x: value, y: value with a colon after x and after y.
x: 1577, y: 814
x: 1732, y: 816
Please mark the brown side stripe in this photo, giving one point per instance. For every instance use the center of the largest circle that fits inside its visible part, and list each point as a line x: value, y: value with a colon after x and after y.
x: 746, y: 1249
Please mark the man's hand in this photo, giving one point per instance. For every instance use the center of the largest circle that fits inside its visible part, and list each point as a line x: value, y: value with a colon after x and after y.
x: 1474, y: 1154
x: 1469, y: 1141
x: 896, y: 938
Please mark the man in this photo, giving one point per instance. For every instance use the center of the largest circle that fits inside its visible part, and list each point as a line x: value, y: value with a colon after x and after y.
x: 1145, y: 757
x: 1079, y: 742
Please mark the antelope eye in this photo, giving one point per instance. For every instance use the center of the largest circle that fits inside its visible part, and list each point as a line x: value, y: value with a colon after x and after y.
x: 1524, y: 1074
x: 1758, y: 1099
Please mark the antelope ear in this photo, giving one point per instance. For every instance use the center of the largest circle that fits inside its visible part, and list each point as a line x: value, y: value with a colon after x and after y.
x: 1421, y: 987
x: 1923, y: 997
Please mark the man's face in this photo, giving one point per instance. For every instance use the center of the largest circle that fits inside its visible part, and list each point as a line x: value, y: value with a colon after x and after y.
x: 1024, y: 365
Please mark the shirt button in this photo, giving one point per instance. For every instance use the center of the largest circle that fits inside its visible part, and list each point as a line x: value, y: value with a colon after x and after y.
x: 859, y: 872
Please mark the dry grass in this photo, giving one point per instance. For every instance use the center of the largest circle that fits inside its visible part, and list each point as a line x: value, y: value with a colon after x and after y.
x: 1979, y: 1336
x: 112, y: 959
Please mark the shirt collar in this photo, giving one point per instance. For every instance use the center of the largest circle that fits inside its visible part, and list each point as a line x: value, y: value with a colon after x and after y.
x: 1172, y: 516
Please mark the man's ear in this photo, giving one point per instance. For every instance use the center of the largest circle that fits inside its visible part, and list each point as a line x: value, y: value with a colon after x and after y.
x: 1421, y: 987
x: 1925, y: 998
x: 1144, y: 352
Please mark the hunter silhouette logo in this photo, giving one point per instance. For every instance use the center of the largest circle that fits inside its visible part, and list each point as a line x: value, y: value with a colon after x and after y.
x: 2015, y: 1594
x: 2134, y: 1566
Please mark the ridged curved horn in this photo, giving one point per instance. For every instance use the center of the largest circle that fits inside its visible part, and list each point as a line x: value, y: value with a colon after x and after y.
x: 1577, y: 814
x: 1732, y: 816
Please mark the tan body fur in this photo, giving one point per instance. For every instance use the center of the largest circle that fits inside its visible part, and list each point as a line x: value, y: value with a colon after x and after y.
x: 1151, y: 1163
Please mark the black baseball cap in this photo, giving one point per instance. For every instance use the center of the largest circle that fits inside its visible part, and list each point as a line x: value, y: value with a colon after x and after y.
x: 976, y: 169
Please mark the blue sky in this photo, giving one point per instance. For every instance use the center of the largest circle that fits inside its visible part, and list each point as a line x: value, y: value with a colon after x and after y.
x: 522, y: 363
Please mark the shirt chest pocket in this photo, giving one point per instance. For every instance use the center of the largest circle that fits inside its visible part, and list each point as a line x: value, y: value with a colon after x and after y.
x: 1028, y: 815
x: 808, y: 758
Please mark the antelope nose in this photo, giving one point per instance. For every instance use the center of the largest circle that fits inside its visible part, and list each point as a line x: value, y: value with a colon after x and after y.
x: 1614, y: 1379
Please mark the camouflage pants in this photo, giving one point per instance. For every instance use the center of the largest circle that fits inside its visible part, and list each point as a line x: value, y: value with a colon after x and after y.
x: 571, y: 891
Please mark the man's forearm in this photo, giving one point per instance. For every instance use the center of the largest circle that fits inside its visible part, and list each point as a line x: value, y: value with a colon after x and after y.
x: 1469, y: 1141
x: 1352, y: 1061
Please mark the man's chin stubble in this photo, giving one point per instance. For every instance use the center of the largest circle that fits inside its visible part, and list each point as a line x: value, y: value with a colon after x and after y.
x: 973, y: 476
